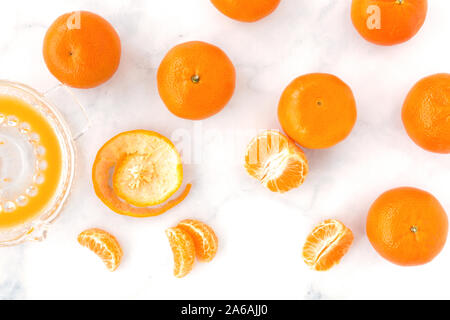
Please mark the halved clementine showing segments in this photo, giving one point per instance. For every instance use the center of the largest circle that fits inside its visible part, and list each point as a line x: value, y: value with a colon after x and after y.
x: 183, y: 249
x: 205, y: 239
x: 276, y: 161
x: 104, y: 245
x: 145, y: 169
x: 326, y: 245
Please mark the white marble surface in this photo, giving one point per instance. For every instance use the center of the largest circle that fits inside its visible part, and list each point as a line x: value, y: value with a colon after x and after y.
x: 261, y: 233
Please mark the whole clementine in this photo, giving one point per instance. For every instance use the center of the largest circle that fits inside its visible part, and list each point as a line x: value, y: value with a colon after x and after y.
x: 276, y: 162
x: 407, y: 226
x: 196, y: 80
x: 246, y: 10
x: 388, y: 22
x: 327, y: 244
x: 138, y: 169
x: 103, y: 244
x: 317, y: 110
x: 82, y: 50
x: 426, y: 113
x: 205, y: 239
x: 183, y: 248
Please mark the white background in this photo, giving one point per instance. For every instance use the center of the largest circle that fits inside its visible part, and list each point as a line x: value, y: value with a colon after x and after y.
x: 261, y: 234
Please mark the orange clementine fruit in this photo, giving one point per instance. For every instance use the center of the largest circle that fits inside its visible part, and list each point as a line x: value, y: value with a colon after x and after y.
x: 317, y: 110
x: 104, y: 245
x: 407, y: 226
x: 326, y: 245
x: 205, y: 239
x: 145, y: 169
x: 196, y: 80
x: 426, y: 113
x: 183, y: 248
x: 275, y: 161
x: 246, y: 10
x: 82, y: 50
x: 388, y: 22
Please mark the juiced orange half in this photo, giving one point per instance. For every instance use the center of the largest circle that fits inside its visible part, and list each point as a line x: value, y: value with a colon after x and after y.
x: 145, y: 169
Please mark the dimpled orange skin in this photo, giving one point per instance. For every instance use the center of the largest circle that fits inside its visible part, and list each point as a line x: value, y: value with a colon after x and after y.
x: 196, y: 80
x: 246, y: 10
x: 400, y: 20
x: 317, y: 110
x: 407, y: 226
x: 426, y: 113
x: 83, y: 57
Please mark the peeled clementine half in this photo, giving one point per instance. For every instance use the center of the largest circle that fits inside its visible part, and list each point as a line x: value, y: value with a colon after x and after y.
x: 388, y: 22
x: 246, y: 10
x: 104, y: 245
x: 82, y: 50
x: 183, y: 249
x: 326, y: 245
x: 407, y: 226
x: 205, y: 239
x: 145, y: 169
x: 196, y: 80
x: 426, y: 113
x: 317, y: 110
x: 274, y: 160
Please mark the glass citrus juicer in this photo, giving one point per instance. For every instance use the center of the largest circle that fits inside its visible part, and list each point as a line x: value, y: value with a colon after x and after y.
x: 37, y: 158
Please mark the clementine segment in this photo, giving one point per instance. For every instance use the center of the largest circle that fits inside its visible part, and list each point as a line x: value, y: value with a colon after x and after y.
x: 82, y: 50
x: 146, y: 170
x: 246, y: 10
x: 274, y: 160
x: 426, y: 113
x: 388, y: 22
x: 317, y: 110
x: 104, y: 245
x: 326, y: 245
x: 196, y: 80
x: 407, y: 226
x: 205, y: 239
x: 183, y: 249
